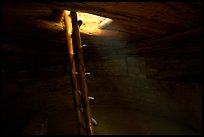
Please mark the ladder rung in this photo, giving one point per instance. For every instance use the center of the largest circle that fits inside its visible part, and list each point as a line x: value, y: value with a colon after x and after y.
x: 95, y: 123
x: 90, y: 98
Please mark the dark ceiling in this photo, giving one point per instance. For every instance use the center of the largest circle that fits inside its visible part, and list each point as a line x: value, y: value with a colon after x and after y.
x: 144, y: 25
x: 138, y: 20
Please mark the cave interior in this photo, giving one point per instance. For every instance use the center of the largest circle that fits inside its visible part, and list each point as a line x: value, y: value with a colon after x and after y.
x: 145, y: 68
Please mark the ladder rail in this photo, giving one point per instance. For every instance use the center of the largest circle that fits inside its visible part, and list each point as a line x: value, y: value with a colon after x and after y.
x: 81, y: 74
x: 75, y: 86
x: 75, y: 53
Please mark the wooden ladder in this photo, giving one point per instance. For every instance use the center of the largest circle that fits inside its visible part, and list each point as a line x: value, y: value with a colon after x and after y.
x: 79, y: 85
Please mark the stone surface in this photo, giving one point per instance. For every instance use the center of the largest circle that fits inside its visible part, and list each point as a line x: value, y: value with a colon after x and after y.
x: 135, y: 88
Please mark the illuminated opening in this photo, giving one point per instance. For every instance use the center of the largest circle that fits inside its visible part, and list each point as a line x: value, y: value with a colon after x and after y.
x: 91, y: 24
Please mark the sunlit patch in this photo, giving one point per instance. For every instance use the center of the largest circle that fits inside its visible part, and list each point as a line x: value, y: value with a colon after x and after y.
x: 92, y: 24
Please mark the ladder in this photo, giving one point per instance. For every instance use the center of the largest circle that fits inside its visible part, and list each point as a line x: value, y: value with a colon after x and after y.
x: 79, y: 85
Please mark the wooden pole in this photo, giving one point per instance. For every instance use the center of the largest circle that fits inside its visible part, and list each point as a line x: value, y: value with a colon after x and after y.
x: 81, y: 74
x: 75, y: 87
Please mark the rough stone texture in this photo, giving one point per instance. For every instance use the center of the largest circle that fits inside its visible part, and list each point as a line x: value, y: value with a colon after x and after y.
x: 112, y: 67
x: 31, y: 100
x: 164, y: 84
x: 145, y: 69
x: 153, y: 93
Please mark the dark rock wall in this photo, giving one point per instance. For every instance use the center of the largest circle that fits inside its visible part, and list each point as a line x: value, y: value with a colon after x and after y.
x: 163, y: 83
